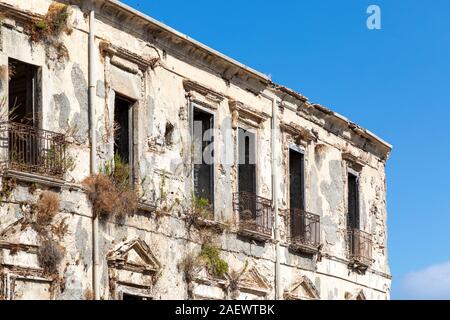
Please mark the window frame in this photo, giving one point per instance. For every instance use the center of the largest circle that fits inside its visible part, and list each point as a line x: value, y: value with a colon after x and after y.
x: 255, y: 133
x: 301, y: 151
x: 131, y: 130
x: 192, y: 107
x: 357, y: 175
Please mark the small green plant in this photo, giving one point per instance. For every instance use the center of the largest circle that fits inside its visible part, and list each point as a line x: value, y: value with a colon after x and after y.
x: 41, y: 25
x: 211, y: 255
x: 118, y: 170
x: 121, y: 172
x: 202, y: 207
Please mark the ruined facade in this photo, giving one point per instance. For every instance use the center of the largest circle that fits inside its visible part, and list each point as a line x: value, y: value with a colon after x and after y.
x: 81, y: 83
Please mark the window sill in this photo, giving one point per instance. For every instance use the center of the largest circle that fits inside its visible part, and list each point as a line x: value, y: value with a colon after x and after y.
x: 358, y: 266
x: 34, y: 178
x: 255, y: 235
x: 304, y: 248
x: 206, y: 223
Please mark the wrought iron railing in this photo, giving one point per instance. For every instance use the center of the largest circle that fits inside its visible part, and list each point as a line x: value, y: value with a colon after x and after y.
x: 255, y: 213
x: 360, y: 247
x: 33, y: 150
x: 303, y: 228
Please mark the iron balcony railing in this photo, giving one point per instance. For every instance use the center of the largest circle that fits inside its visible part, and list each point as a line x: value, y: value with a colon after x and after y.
x: 255, y: 213
x: 360, y: 247
x: 33, y: 150
x: 303, y: 228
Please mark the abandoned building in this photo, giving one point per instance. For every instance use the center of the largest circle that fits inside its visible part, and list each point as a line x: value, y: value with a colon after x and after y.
x: 103, y: 110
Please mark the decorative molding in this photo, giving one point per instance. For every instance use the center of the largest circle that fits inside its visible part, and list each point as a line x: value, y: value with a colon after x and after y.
x: 34, y: 178
x: 19, y: 15
x: 301, y: 134
x: 134, y: 255
x: 303, y: 289
x: 355, y: 162
x: 106, y: 48
x: 357, y: 295
x: 246, y: 114
x: 209, y: 93
x: 253, y: 282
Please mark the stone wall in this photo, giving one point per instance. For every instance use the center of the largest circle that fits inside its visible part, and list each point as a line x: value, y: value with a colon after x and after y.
x: 144, y: 254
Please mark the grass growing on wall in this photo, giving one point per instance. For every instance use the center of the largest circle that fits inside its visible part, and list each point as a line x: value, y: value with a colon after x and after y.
x: 53, y: 23
x: 216, y: 265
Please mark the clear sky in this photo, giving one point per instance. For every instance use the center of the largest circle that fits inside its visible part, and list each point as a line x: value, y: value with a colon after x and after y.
x: 394, y: 82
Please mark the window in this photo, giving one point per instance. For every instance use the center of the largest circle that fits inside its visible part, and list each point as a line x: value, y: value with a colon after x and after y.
x: 353, y: 200
x: 247, y: 162
x: 204, y: 155
x: 31, y: 149
x: 128, y: 296
x: 255, y: 212
x: 123, y: 129
x: 296, y: 180
x: 23, y: 92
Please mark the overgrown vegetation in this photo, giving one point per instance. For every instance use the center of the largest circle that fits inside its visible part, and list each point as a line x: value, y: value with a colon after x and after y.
x: 44, y: 211
x: 46, y: 208
x: 215, y: 265
x: 209, y: 256
x: 50, y: 255
x: 53, y: 23
x: 234, y: 278
x: 8, y: 186
x: 49, y: 29
x: 201, y: 208
x: 111, y: 192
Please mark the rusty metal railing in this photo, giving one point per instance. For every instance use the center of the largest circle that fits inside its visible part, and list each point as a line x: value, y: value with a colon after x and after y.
x: 33, y: 150
x: 303, y: 228
x: 360, y: 247
x: 255, y: 213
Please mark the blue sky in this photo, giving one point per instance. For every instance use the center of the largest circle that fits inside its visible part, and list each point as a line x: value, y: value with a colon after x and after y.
x: 394, y: 81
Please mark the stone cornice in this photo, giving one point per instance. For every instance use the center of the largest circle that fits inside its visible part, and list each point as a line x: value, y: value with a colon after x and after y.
x: 298, y: 132
x: 19, y: 15
x: 202, y: 94
x: 246, y: 114
x: 107, y: 48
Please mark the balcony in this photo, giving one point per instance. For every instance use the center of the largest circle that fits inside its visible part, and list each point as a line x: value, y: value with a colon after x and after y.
x: 255, y: 215
x: 303, y: 231
x: 32, y: 150
x: 360, y: 249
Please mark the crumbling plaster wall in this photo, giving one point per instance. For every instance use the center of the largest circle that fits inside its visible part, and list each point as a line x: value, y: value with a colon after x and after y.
x: 161, y: 97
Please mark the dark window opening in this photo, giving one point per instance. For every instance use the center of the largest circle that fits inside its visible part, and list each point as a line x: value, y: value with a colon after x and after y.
x: 123, y: 126
x: 296, y: 180
x: 203, y: 162
x: 247, y: 163
x: 353, y: 201
x: 23, y: 92
x: 128, y: 296
x: 168, y: 135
